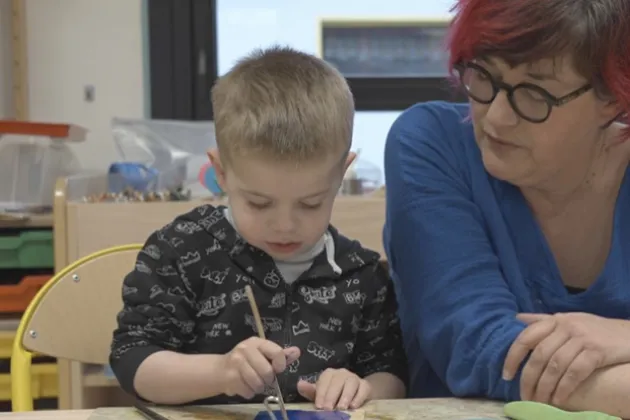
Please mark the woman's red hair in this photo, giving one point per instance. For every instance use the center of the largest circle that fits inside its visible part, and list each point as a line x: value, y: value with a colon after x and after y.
x: 594, y: 33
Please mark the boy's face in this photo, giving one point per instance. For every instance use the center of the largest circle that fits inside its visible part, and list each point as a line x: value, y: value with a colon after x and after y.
x: 281, y: 208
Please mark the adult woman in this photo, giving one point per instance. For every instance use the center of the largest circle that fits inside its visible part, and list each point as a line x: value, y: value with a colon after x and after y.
x: 508, y: 217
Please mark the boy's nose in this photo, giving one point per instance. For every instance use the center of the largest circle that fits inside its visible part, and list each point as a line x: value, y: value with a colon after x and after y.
x: 285, y: 224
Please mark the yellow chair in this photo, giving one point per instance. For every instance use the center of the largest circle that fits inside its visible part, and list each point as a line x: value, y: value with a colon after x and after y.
x: 72, y: 317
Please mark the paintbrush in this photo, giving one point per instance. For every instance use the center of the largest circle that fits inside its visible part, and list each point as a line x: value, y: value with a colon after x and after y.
x: 261, y: 334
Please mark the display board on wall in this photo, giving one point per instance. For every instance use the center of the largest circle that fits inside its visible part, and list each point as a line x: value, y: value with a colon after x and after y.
x: 385, y: 48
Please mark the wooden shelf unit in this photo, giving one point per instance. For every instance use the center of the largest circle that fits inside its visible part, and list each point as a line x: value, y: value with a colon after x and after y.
x: 9, y: 322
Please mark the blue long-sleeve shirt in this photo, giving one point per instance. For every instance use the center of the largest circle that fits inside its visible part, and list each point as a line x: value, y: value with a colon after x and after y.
x: 467, y: 255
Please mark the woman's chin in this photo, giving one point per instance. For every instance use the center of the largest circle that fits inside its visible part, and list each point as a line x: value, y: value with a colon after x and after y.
x: 502, y: 169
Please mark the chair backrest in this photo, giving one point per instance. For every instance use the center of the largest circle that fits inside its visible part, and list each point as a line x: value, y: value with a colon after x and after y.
x: 74, y: 317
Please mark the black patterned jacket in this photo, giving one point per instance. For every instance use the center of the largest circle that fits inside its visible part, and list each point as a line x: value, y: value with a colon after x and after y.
x: 186, y: 294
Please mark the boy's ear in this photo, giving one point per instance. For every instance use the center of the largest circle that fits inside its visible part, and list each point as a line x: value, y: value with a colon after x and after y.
x: 213, y: 155
x: 349, y: 159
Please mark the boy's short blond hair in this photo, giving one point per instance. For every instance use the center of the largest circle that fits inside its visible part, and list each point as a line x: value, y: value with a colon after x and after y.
x: 282, y: 104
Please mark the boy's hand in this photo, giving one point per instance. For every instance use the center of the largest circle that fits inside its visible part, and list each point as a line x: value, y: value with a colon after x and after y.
x: 336, y: 389
x: 254, y: 363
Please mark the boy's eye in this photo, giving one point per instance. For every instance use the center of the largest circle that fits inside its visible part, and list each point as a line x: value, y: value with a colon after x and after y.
x: 258, y: 206
x: 311, y: 206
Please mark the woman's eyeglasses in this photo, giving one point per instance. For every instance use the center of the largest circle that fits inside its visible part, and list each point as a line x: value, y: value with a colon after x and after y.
x: 529, y: 101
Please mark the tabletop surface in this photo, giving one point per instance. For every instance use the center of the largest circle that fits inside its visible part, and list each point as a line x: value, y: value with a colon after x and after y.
x: 408, y: 409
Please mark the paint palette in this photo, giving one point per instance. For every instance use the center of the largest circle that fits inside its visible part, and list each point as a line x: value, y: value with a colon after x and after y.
x: 305, y: 415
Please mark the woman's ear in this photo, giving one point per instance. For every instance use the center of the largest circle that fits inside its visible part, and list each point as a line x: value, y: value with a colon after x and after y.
x: 613, y: 120
x: 611, y: 111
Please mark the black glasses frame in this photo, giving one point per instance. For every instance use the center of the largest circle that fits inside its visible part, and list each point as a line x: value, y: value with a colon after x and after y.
x: 497, y: 86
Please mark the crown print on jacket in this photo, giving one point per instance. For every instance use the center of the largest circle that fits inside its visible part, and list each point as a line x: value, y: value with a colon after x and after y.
x: 187, y: 294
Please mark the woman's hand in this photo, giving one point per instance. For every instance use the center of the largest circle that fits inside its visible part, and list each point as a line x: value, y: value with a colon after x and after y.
x: 566, y: 349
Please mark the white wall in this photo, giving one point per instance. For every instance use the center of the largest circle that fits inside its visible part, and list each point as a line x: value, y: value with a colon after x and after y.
x: 6, y: 96
x: 74, y: 43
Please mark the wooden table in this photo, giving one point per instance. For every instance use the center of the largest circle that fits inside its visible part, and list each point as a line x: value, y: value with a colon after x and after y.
x: 409, y: 409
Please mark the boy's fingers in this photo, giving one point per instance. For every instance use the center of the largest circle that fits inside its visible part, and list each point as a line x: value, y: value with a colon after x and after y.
x: 261, y: 365
x: 285, y: 358
x: 362, y: 395
x: 269, y: 349
x: 280, y: 363
x: 292, y: 354
x: 252, y: 381
x: 333, y: 391
x: 350, y: 389
x: 322, y: 388
x: 307, y: 389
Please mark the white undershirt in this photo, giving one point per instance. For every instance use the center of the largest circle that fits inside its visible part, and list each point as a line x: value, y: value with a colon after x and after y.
x: 293, y: 267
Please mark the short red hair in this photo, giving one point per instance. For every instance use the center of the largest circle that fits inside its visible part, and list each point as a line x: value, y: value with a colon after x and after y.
x: 595, y: 33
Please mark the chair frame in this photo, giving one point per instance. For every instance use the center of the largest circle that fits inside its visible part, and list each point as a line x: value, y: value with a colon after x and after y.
x: 21, y: 358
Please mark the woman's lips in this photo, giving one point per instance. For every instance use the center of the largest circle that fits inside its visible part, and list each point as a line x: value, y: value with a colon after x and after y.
x: 499, y: 142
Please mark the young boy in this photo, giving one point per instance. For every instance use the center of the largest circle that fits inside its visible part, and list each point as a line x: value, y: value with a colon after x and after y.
x: 186, y: 333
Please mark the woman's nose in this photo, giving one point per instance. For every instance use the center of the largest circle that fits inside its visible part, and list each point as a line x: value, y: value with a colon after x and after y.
x: 500, y: 111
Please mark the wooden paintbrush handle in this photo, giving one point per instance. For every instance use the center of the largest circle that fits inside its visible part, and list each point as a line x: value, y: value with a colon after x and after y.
x: 252, y: 303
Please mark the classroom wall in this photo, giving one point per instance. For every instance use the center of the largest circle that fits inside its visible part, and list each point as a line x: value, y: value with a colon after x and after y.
x: 73, y: 44
x: 6, y: 105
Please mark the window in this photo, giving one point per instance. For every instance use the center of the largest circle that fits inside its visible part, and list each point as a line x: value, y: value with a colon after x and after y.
x: 182, y: 58
x: 346, y: 33
x: 194, y: 41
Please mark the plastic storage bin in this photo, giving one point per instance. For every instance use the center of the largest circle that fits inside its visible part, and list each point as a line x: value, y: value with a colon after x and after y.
x: 176, y: 150
x: 29, y: 168
x: 29, y: 249
x: 44, y: 376
x: 15, y: 298
x: 139, y: 177
x: 44, y: 382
